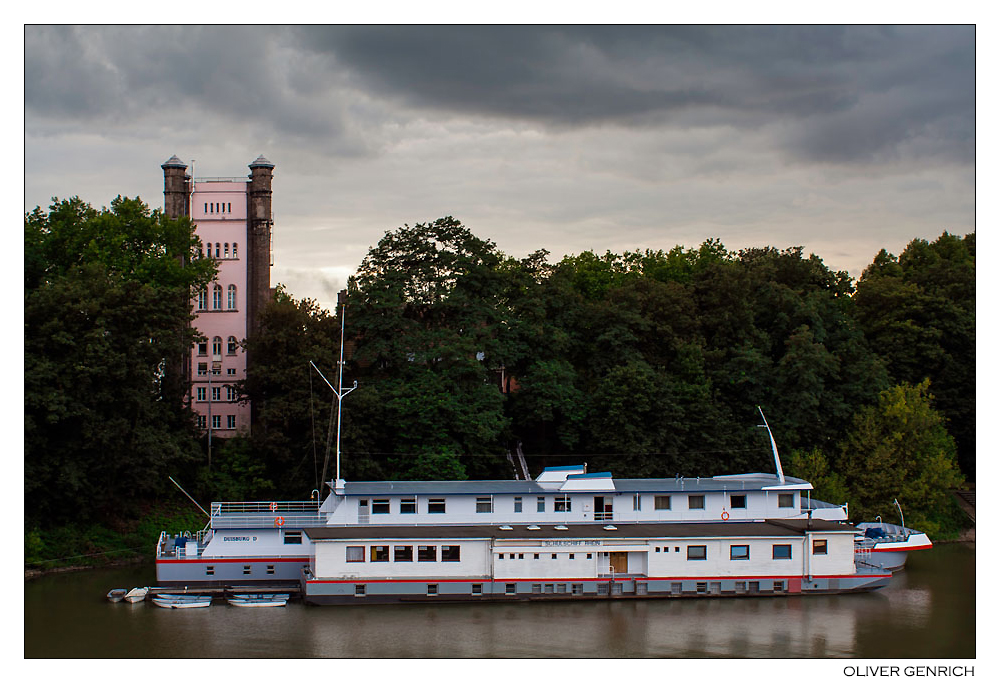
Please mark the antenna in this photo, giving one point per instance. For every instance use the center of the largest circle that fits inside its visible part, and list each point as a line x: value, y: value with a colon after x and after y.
x: 774, y: 447
x: 340, y: 393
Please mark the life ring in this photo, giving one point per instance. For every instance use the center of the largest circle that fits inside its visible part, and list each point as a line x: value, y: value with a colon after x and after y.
x: 725, y: 515
x: 279, y: 521
x: 273, y: 506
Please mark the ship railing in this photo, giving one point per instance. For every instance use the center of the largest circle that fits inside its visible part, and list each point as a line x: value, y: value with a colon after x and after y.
x: 276, y: 519
x: 265, y: 507
x: 603, y: 516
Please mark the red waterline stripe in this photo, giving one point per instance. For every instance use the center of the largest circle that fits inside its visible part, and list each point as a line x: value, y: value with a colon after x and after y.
x: 240, y: 560
x: 901, y: 550
x: 550, y: 579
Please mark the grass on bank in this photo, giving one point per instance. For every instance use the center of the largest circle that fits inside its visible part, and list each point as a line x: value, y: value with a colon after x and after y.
x: 100, y: 545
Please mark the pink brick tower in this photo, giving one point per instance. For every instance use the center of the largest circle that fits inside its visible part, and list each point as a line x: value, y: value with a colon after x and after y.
x: 233, y: 219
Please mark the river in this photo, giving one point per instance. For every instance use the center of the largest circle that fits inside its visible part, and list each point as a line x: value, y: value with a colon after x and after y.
x: 928, y: 612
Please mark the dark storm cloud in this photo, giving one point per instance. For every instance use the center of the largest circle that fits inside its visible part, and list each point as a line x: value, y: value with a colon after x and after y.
x: 844, y: 92
x: 828, y: 94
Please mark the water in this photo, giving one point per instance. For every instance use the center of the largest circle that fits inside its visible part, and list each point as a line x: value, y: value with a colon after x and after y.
x: 928, y: 611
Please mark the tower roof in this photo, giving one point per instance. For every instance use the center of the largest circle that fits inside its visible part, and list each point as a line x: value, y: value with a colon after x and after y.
x: 173, y: 162
x: 261, y: 162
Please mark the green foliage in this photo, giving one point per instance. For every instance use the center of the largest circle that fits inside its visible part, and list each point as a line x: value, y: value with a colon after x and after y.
x: 919, y: 313
x: 106, y: 312
x: 900, y: 449
x: 237, y: 473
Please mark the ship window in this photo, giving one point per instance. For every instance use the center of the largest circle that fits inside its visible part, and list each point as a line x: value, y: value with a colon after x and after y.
x: 554, y: 555
x: 210, y: 570
x: 451, y: 553
x: 781, y: 552
x: 520, y: 556
x: 380, y: 553
x: 510, y: 588
x: 786, y: 500
x: 435, y: 505
x: 779, y: 586
x: 380, y: 506
x: 572, y: 556
x: 661, y: 503
x: 484, y: 504
x: 477, y: 589
x: 541, y: 503
x: 427, y: 553
x: 819, y: 547
x: 403, y: 553
x: 577, y: 589
x: 517, y: 504
x: 739, y: 552
x: 590, y: 556
x: 696, y: 502
x: 432, y: 589
x: 636, y: 502
x: 536, y: 588
x: 536, y: 556
x: 697, y: 552
x: 355, y: 553
x: 293, y: 538
x: 408, y: 506
x: 246, y: 569
x: 270, y: 569
x: 738, y: 501
x: 359, y: 589
x: 563, y: 504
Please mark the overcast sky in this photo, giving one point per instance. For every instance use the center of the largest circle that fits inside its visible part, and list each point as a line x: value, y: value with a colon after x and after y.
x: 841, y: 140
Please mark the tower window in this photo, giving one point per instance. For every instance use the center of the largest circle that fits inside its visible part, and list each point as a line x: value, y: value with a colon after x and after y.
x: 231, y: 346
x: 203, y: 300
x: 225, y: 249
x: 234, y: 250
x: 217, y: 347
x: 217, y: 297
x: 232, y: 297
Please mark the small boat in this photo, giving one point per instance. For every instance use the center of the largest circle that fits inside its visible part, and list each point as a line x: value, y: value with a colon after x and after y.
x: 116, y: 594
x: 136, y: 594
x: 182, y: 601
x: 259, y: 600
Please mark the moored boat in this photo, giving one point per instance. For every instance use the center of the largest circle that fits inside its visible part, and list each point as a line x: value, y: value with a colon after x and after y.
x: 259, y: 600
x: 137, y: 594
x: 181, y: 601
x: 116, y: 594
x: 887, y: 545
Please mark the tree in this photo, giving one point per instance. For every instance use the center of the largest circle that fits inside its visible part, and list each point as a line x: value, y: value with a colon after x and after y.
x: 900, y: 450
x: 919, y: 313
x: 107, y: 307
x: 430, y: 319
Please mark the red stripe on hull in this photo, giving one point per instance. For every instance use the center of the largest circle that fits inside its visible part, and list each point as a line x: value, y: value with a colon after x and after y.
x: 901, y: 550
x: 550, y: 579
x: 240, y: 560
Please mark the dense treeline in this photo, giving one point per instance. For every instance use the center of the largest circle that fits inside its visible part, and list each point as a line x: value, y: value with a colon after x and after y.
x: 645, y: 363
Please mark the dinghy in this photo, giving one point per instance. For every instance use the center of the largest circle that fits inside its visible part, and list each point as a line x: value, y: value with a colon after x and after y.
x: 182, y: 601
x: 136, y: 594
x: 116, y: 594
x: 259, y: 600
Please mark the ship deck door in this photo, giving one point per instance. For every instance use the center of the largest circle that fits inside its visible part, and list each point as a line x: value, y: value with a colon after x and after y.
x: 619, y: 562
x: 363, y: 511
x: 603, y: 508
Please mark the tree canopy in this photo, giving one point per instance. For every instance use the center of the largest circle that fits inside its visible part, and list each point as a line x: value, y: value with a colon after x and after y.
x: 107, y: 306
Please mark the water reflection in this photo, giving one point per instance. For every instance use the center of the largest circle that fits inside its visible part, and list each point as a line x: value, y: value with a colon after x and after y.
x: 928, y: 611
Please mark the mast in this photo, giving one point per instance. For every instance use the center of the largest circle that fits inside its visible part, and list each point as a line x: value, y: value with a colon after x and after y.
x: 339, y: 392
x: 774, y: 448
